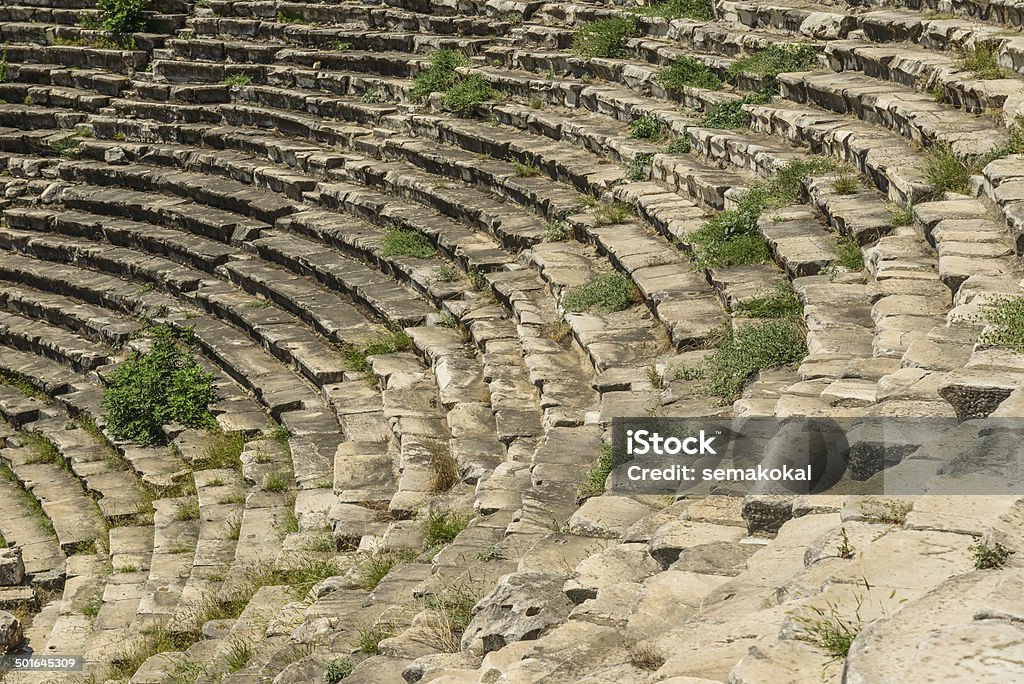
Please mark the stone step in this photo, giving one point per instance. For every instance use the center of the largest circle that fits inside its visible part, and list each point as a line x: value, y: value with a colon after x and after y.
x: 915, y: 116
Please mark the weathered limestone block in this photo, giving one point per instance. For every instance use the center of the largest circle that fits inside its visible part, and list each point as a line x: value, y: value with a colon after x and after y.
x: 12, y: 568
x: 520, y: 608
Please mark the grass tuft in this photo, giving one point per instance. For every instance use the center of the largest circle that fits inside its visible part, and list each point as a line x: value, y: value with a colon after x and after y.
x: 646, y: 127
x: 701, y: 10
x: 604, y: 38
x: 989, y: 556
x: 377, y: 566
x: 983, y: 60
x: 338, y: 669
x: 238, y: 80
x: 946, y: 171
x: 1005, y: 319
x: 407, y: 242
x: 780, y: 303
x: 441, y: 527
x: 688, y: 72
x: 605, y: 293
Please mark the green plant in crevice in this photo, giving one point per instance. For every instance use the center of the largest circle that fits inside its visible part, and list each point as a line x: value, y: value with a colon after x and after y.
x: 152, y: 389
x: 606, y: 293
x: 466, y: 95
x: 123, y: 16
x: 1004, y: 318
x: 688, y: 72
x: 700, y: 10
x: 982, y: 59
x: 767, y: 64
x: 440, y: 75
x: 637, y: 169
x: 604, y: 38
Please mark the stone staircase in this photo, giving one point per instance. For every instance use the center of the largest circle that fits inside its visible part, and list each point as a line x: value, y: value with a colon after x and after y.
x: 388, y: 295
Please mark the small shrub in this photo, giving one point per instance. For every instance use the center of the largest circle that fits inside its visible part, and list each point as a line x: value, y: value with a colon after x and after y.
x: 477, y: 280
x: 946, y: 171
x: 604, y: 38
x: 744, y: 351
x: 407, y: 242
x: 731, y: 115
x: 66, y: 146
x: 989, y: 556
x: 536, y: 102
x: 526, y: 169
x: 440, y: 75
x: 556, y: 231
x: 338, y: 669
x: 983, y: 60
x: 372, y: 96
x: 286, y: 18
x: 123, y: 16
x: 238, y: 80
x: 606, y: 293
x: 938, y: 92
x: 466, y: 95
x: 849, y: 255
x: 701, y: 10
x: 775, y: 60
x: 341, y: 46
x: 445, y: 274
x: 688, y: 72
x: 441, y: 527
x: 164, y: 385
x: 646, y: 127
x: 612, y: 213
x: 3, y: 64
x: 1005, y: 319
x: 638, y: 168
x: 780, y: 303
x: 371, y: 636
x: 729, y: 238
x: 679, y: 146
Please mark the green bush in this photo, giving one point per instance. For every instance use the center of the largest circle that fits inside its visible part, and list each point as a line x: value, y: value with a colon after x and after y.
x: 637, y: 169
x: 744, y: 351
x: 775, y: 60
x: 1005, y: 319
x: 731, y: 237
x: 687, y: 71
x: 3, y: 65
x: 606, y: 293
x: 989, y: 556
x: 646, y: 127
x: 731, y: 114
x: 163, y: 385
x: 679, y: 146
x: 983, y: 60
x: 238, y: 80
x: 780, y: 303
x: 385, y: 343
x: 466, y: 95
x: 338, y: 669
x: 440, y: 75
x: 123, y: 16
x: 700, y: 10
x: 849, y: 255
x: 407, y: 242
x: 593, y: 485
x: 604, y: 37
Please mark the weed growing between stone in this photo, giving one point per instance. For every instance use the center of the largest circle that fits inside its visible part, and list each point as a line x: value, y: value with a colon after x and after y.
x: 238, y: 80
x: 831, y: 631
x: 983, y: 60
x: 646, y: 127
x: 701, y: 10
x: 370, y: 636
x: 989, y: 556
x: 338, y: 669
x: 679, y: 146
x: 385, y: 343
x: 731, y: 115
x: 688, y: 72
x: 639, y: 168
x: 123, y: 16
x: 378, y: 565
x: 744, y: 351
x: 461, y: 94
x: 849, y: 254
x: 779, y: 303
x: 604, y: 38
x: 407, y: 242
x: 441, y: 527
x: 731, y: 237
x: 774, y: 60
x: 451, y: 611
x: 1005, y: 319
x: 466, y: 95
x: 161, y: 386
x: 946, y: 171
x: 593, y: 485
x: 605, y: 293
